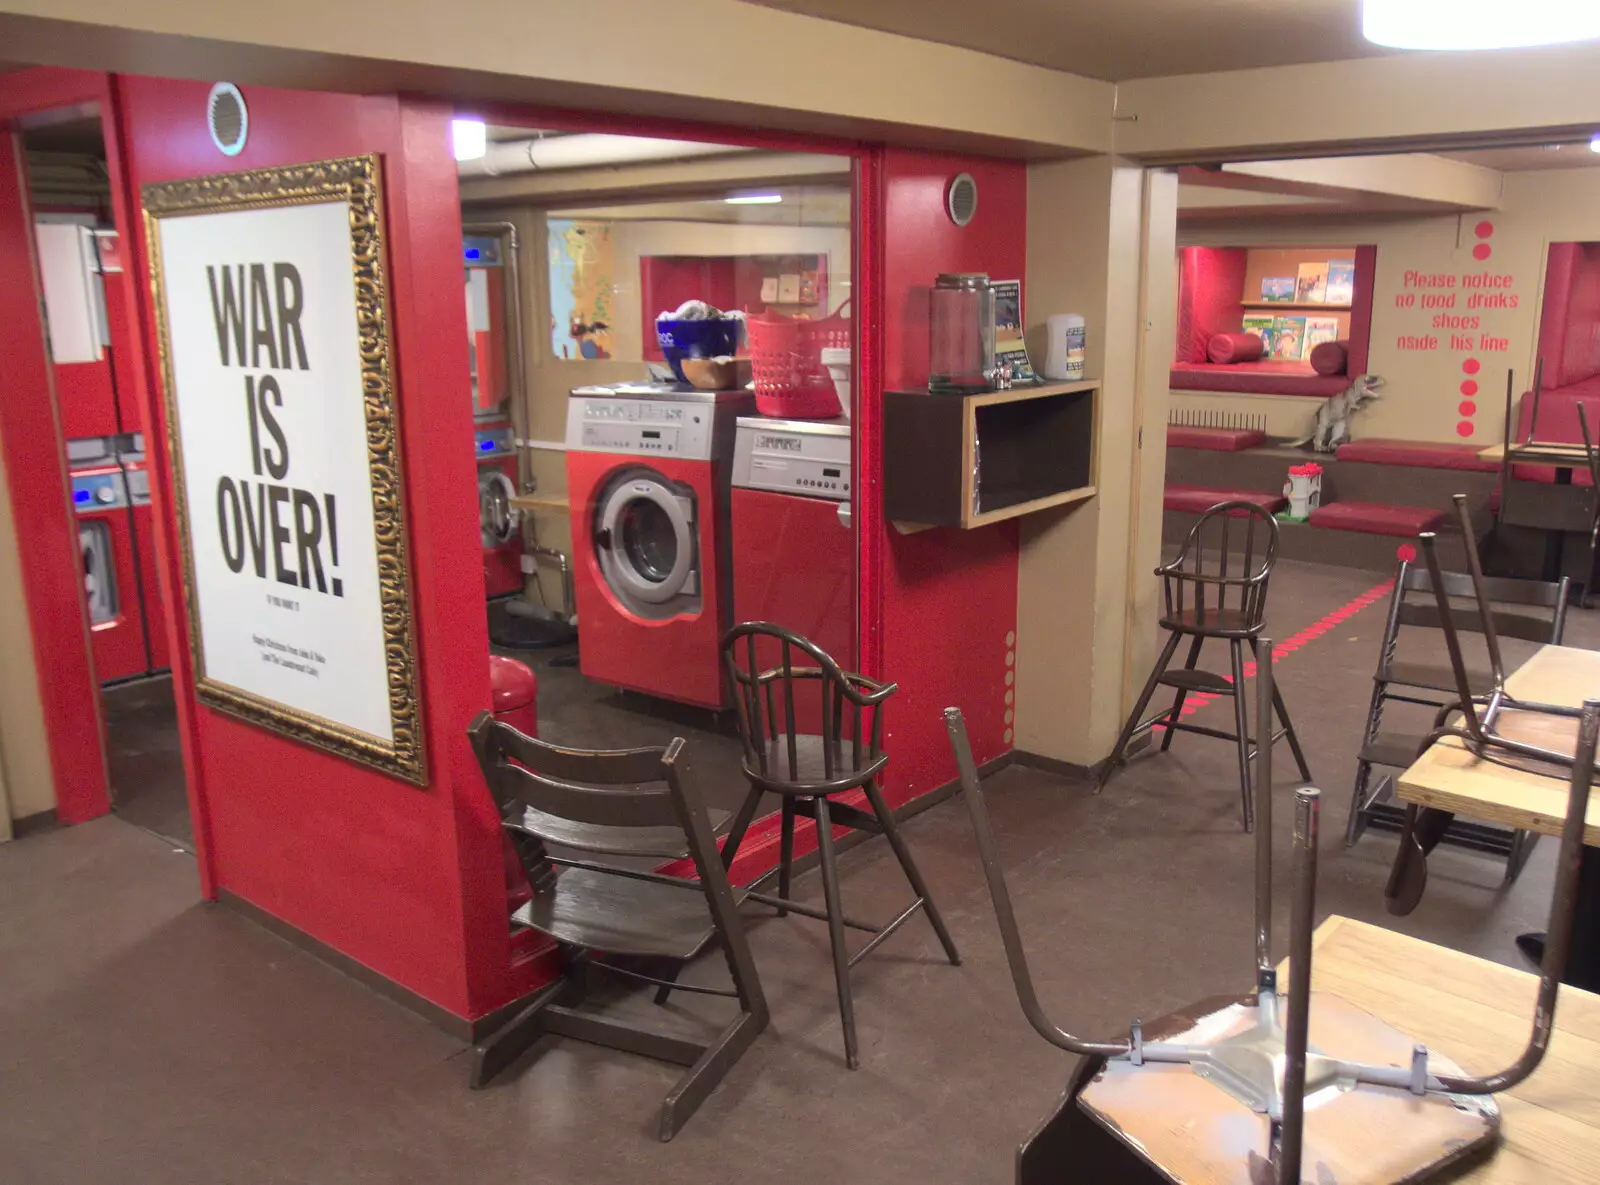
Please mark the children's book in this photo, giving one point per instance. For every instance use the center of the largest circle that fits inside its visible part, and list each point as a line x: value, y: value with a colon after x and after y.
x: 1341, y: 281
x: 1318, y: 330
x: 1277, y: 288
x: 1288, y: 337
x: 1259, y: 324
x: 1312, y: 285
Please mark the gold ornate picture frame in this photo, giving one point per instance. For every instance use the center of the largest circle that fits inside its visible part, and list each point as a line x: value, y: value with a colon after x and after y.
x: 383, y: 591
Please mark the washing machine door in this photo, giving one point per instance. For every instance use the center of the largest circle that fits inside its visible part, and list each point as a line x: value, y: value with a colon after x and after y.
x: 645, y: 543
x: 497, y: 518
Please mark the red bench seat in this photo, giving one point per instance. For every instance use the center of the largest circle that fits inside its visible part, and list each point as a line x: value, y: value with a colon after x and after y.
x: 1199, y: 499
x: 1221, y: 440
x: 1423, y: 454
x: 1377, y: 518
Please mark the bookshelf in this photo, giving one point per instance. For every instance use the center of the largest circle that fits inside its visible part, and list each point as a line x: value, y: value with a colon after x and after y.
x: 1291, y: 307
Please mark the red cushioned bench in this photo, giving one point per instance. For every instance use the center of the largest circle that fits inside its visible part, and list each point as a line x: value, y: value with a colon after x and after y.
x: 1377, y: 518
x: 1199, y: 499
x: 1220, y: 440
x: 1422, y: 454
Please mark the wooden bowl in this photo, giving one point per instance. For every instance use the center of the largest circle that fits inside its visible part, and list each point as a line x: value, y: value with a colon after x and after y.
x: 717, y: 374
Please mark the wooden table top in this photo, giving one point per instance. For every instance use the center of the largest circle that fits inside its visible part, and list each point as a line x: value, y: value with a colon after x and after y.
x: 1539, y: 452
x: 1478, y: 1014
x: 1450, y: 778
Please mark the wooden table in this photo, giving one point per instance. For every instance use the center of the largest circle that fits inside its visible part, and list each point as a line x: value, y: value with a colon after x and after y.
x: 1452, y: 779
x: 1562, y: 456
x: 1474, y: 1012
x: 1478, y: 1013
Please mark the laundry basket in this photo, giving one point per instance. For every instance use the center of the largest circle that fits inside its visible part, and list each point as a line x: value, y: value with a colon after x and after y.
x: 786, y: 360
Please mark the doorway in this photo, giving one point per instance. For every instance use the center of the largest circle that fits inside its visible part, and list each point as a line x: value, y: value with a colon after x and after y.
x: 656, y: 504
x: 87, y: 291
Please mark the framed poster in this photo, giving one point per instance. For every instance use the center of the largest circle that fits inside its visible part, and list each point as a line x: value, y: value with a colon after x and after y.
x: 272, y: 311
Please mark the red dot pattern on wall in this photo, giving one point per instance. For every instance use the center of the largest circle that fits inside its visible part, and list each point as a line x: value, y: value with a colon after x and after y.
x: 1482, y: 251
x: 1467, y: 408
x: 1484, y: 229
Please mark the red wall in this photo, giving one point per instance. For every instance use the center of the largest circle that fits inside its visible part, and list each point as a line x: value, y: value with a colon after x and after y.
x: 944, y: 602
x: 36, y: 470
x: 405, y: 881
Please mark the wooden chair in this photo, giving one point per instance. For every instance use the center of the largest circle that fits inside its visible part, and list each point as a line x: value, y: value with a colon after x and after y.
x: 622, y: 803
x: 1216, y: 588
x: 1433, y: 685
x: 808, y: 771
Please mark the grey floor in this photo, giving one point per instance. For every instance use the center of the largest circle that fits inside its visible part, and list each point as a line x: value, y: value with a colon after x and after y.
x: 145, y: 1037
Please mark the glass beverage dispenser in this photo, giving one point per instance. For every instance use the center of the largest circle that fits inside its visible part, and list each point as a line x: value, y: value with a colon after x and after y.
x: 960, y: 334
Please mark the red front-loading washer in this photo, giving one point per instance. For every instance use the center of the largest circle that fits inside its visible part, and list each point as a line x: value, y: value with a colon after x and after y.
x: 794, y: 553
x: 499, y: 524
x: 648, y: 468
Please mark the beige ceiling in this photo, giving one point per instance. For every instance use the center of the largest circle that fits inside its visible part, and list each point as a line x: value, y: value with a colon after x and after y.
x: 1529, y: 159
x: 1119, y: 39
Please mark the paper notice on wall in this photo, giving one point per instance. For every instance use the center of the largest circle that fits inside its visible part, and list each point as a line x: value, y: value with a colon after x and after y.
x: 1009, y: 348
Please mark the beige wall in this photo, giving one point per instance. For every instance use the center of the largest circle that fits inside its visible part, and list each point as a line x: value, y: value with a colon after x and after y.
x: 24, y: 744
x: 1422, y: 398
x: 707, y: 59
x: 1384, y: 103
x: 1100, y: 242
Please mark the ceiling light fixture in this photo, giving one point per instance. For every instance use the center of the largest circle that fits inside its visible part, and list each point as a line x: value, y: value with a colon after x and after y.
x: 754, y: 199
x: 1478, y: 24
x: 469, y: 138
x: 1594, y: 144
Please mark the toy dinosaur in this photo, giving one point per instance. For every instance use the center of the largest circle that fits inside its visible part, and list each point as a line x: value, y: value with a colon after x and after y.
x: 1332, y: 426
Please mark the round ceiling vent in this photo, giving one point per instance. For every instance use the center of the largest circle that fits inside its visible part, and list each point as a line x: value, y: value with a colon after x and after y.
x: 961, y: 199
x: 228, y: 118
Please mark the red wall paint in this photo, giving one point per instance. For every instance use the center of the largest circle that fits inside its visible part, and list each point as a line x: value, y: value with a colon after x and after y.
x: 946, y: 599
x: 36, y: 470
x: 405, y: 881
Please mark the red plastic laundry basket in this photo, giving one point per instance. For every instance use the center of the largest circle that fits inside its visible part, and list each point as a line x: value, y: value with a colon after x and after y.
x: 786, y: 363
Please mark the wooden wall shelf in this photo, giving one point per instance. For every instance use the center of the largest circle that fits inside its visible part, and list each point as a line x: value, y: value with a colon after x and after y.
x: 971, y: 460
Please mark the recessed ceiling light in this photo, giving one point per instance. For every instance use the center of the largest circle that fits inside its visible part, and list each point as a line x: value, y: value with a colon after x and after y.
x: 754, y: 199
x: 1594, y: 144
x: 469, y: 138
x: 1478, y: 24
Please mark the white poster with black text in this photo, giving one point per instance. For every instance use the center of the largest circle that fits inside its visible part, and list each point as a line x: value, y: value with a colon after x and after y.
x: 266, y: 369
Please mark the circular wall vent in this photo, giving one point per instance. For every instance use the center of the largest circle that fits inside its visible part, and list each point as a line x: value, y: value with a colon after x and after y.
x: 961, y: 199
x: 228, y: 118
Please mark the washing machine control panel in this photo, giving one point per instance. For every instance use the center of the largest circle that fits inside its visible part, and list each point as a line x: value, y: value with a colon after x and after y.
x: 649, y: 427
x: 793, y: 457
x: 492, y: 443
x: 93, y: 492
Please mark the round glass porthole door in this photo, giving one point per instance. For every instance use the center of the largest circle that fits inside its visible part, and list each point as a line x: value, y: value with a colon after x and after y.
x: 497, y: 519
x: 645, y: 543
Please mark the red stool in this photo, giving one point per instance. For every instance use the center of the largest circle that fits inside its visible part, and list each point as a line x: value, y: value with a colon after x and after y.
x: 514, y: 693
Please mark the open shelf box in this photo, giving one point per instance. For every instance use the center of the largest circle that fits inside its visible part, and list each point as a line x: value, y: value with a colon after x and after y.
x: 971, y: 460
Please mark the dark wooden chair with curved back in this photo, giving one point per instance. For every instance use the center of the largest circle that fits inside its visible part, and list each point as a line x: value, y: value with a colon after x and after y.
x: 621, y: 803
x: 1215, y: 588
x: 782, y: 683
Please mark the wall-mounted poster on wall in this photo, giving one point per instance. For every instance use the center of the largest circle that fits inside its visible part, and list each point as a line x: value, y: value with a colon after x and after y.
x: 272, y: 306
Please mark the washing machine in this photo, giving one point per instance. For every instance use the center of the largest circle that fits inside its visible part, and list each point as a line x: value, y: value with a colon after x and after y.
x: 109, y: 560
x: 648, y: 471
x: 794, y: 553
x: 499, y: 524
x: 136, y: 471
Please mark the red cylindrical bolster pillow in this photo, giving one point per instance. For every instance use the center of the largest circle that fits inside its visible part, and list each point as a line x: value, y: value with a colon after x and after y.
x: 1330, y: 358
x: 1235, y: 347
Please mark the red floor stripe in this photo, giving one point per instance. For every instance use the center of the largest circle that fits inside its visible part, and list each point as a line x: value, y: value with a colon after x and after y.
x: 1281, y: 650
